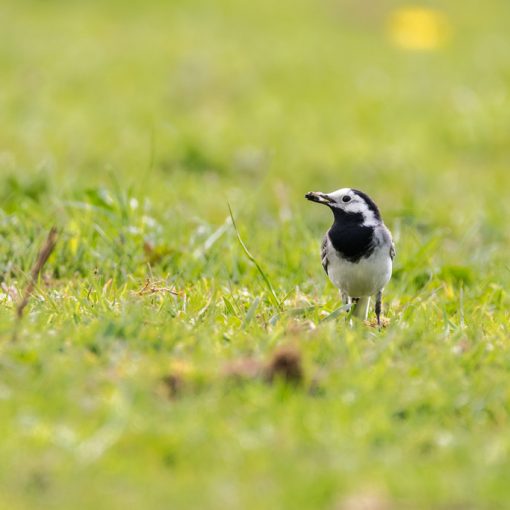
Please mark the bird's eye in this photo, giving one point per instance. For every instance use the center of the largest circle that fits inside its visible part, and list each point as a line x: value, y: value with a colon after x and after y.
x: 346, y: 198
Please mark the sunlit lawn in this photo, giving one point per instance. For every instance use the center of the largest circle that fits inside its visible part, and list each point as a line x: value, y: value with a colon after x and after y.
x: 131, y: 127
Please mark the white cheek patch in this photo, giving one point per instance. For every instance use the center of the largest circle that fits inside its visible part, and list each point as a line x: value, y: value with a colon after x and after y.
x: 356, y: 205
x: 360, y: 207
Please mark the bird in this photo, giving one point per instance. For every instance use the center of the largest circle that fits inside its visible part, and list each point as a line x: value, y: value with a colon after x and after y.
x: 357, y: 252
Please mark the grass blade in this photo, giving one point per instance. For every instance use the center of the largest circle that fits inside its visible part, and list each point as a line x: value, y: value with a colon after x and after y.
x: 335, y: 313
x: 254, y: 261
x: 251, y: 312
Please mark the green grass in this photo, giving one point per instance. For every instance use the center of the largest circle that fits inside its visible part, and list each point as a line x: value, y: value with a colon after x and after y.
x: 132, y: 127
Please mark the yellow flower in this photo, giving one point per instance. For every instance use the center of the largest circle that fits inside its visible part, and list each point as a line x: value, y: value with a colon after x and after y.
x: 418, y: 28
x: 73, y: 245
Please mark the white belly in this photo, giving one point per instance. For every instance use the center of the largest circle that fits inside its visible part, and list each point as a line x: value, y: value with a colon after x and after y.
x: 363, y: 278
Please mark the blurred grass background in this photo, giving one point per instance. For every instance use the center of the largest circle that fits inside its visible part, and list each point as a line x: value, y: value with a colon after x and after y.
x: 130, y: 124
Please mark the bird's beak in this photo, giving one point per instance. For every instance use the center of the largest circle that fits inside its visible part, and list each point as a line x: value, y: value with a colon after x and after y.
x: 319, y: 197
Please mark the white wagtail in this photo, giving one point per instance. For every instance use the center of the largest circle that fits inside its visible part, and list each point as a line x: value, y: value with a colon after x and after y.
x: 357, y: 251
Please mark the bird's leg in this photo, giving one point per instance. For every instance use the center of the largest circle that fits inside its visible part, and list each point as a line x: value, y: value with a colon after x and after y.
x: 354, y: 305
x: 346, y: 300
x: 378, y: 307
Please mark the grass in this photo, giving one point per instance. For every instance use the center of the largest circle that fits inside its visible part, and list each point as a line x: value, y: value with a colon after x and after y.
x: 132, y: 127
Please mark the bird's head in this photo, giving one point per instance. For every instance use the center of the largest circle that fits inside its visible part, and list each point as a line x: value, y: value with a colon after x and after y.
x: 348, y: 204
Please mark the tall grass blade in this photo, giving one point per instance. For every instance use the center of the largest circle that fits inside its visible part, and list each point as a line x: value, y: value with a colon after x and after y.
x: 252, y: 259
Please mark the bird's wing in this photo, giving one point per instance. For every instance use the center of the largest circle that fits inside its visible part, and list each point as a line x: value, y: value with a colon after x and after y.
x: 393, y: 252
x: 324, y: 253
